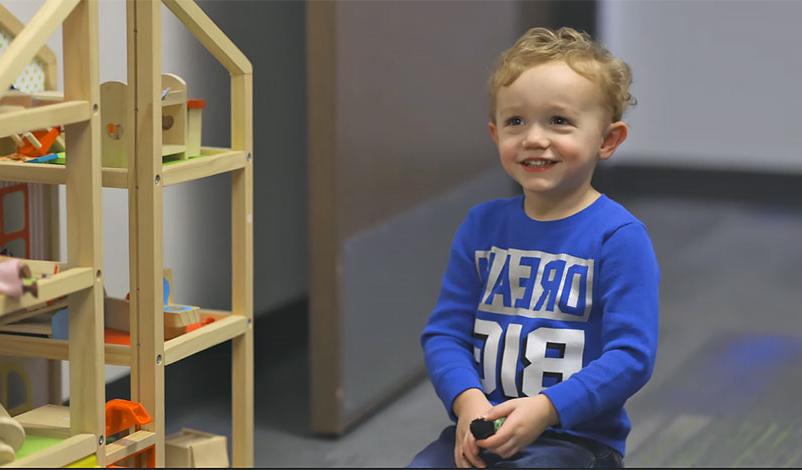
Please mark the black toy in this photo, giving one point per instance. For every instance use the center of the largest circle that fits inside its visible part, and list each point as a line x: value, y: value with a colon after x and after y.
x: 482, y: 429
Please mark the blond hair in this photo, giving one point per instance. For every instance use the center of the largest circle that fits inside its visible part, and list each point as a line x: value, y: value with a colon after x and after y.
x: 585, y: 56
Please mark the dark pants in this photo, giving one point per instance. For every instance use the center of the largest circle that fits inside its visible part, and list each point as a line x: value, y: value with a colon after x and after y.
x: 551, y: 449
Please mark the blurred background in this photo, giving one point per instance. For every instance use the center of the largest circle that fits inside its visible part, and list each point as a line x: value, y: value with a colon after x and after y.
x: 370, y: 125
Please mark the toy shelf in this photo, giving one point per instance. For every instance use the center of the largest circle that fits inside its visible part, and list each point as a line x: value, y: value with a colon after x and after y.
x: 212, y: 161
x: 148, y: 138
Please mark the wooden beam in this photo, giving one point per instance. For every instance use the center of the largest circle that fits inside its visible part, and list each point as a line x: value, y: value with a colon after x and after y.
x: 242, y: 404
x: 31, y: 39
x: 58, y: 285
x: 210, y: 35
x: 203, y: 338
x: 33, y: 312
x: 56, y: 174
x: 129, y: 445
x: 52, y: 115
x: 57, y: 349
x: 61, y: 454
x: 85, y: 244
x: 115, y: 178
x: 146, y: 214
x: 32, y: 172
x: 196, y: 168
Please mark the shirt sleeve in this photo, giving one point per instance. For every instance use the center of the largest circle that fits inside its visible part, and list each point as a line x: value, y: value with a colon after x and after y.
x: 628, y: 286
x: 447, y: 338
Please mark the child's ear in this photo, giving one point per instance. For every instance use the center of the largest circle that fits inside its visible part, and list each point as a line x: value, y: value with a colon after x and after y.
x: 491, y: 126
x: 616, y: 134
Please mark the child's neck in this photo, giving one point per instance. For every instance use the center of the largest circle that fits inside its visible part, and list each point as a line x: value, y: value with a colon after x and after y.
x: 543, y: 208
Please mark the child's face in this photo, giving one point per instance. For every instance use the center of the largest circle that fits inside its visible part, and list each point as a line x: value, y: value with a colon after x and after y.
x: 550, y: 131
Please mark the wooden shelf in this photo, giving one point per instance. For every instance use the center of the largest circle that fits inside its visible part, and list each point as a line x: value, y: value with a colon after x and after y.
x: 212, y: 161
x: 224, y: 328
x: 45, y: 116
x: 205, y: 337
x: 48, y: 348
x: 53, y: 287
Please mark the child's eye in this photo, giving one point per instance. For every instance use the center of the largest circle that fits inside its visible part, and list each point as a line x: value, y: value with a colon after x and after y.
x: 514, y: 121
x: 560, y: 121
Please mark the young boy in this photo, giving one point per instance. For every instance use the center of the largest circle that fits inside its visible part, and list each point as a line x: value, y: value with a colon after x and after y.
x: 548, y: 310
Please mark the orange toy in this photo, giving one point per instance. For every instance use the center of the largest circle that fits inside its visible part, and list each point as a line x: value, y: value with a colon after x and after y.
x: 122, y: 415
x: 45, y: 139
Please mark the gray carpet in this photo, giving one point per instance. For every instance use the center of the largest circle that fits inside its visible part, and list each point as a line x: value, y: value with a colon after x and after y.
x: 726, y: 386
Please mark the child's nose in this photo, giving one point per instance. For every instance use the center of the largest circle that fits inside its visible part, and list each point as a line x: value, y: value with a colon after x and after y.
x: 535, y: 138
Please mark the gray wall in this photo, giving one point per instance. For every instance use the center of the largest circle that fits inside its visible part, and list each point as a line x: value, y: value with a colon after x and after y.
x: 717, y: 81
x: 271, y: 35
x: 408, y: 154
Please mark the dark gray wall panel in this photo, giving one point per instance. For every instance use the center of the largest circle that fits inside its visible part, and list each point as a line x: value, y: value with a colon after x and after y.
x: 390, y: 282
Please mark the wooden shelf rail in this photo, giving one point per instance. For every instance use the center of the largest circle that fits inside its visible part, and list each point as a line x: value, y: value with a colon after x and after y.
x: 213, y: 161
x: 58, y: 285
x: 52, y: 115
x: 129, y: 445
x: 203, y: 338
x: 60, y: 455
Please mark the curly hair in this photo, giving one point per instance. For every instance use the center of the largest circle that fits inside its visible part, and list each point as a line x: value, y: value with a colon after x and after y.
x: 577, y: 49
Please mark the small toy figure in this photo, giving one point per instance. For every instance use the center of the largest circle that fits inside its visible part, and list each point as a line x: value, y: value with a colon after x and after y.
x: 15, y: 279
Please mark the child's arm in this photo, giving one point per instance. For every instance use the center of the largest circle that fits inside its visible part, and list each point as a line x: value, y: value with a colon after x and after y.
x: 447, y: 339
x: 447, y: 342
x: 628, y: 287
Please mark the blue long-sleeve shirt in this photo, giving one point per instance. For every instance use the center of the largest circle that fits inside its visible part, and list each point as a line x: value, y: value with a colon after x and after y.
x: 567, y: 308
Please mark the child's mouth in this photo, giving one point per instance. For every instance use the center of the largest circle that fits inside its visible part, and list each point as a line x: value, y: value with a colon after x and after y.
x: 538, y: 164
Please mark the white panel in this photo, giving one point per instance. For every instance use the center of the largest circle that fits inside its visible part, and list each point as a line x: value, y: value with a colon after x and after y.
x: 717, y: 82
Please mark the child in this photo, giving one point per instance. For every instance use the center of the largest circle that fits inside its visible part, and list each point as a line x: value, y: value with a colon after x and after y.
x: 548, y: 310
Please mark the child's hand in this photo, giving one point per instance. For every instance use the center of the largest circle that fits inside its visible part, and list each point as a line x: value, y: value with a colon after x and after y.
x: 468, y: 406
x: 527, y: 418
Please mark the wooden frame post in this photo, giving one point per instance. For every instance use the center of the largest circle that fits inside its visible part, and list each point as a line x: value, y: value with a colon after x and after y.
x: 86, y: 354
x: 145, y: 201
x: 242, y: 271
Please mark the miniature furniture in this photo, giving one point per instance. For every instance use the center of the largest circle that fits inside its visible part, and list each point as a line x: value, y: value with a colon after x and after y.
x: 144, y: 176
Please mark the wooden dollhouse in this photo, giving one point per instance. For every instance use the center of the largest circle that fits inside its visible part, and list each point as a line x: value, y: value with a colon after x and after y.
x: 80, y: 433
